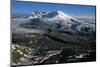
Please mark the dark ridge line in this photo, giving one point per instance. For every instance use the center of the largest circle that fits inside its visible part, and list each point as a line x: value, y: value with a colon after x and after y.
x: 59, y: 40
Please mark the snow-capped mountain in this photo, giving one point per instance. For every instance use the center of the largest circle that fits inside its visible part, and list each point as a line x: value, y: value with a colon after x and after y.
x: 57, y: 20
x: 63, y: 21
x: 52, y: 37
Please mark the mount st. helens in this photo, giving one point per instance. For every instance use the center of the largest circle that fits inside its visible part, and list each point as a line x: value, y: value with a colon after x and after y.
x: 57, y: 21
x: 52, y: 37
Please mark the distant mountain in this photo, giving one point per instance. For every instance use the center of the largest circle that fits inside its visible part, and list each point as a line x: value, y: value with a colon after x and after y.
x: 63, y: 21
x: 57, y: 20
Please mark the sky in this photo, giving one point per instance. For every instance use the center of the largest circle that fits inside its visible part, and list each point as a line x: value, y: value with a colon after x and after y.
x: 19, y: 7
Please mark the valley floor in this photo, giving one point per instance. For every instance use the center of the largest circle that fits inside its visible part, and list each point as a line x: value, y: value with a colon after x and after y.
x: 52, y: 48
